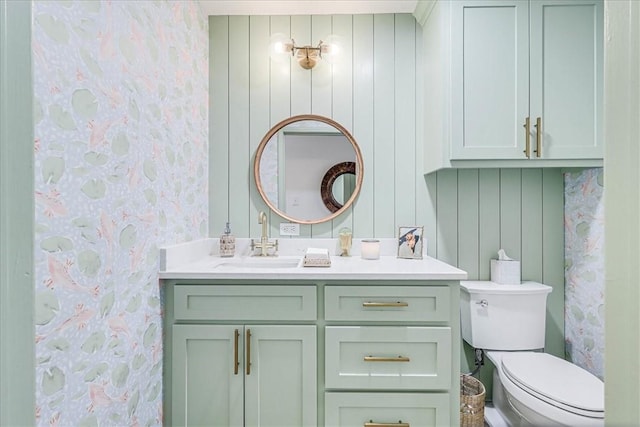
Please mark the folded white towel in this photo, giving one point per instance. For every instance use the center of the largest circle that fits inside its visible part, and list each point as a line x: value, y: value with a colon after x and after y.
x: 317, y: 253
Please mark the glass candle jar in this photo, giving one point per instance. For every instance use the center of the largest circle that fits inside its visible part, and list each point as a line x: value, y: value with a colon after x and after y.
x: 370, y: 249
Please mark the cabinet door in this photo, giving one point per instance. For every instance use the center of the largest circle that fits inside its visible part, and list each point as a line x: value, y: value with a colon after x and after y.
x: 566, y: 77
x: 206, y: 388
x: 490, y: 79
x: 280, y: 375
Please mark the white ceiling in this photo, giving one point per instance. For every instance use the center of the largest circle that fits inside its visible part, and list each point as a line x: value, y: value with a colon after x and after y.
x: 305, y: 7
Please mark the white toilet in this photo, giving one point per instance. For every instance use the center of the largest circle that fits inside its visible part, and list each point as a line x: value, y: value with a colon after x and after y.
x: 530, y: 388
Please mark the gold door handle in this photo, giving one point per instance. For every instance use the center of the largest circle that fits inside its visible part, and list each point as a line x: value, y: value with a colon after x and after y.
x: 385, y: 304
x: 386, y: 359
x: 248, y: 351
x: 527, y: 138
x: 236, y: 362
x: 538, y: 149
x: 374, y: 424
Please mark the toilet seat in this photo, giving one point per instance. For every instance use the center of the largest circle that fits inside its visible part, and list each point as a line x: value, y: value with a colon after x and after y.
x: 555, y: 382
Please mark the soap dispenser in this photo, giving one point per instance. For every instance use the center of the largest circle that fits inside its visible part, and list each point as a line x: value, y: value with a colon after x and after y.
x: 227, y: 243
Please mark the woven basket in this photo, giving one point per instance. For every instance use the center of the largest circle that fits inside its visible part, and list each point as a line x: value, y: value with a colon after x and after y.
x: 472, y: 395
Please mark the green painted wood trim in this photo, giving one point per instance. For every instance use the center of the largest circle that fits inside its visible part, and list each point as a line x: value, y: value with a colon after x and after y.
x: 622, y: 207
x: 17, y: 354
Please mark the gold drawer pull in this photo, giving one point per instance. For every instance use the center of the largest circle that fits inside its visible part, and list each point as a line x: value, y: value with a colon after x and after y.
x: 527, y: 137
x: 386, y: 359
x: 385, y: 304
x: 538, y: 149
x: 248, y: 351
x: 236, y: 362
x: 398, y: 424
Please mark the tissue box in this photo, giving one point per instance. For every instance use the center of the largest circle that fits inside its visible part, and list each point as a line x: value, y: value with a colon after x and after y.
x: 505, y: 272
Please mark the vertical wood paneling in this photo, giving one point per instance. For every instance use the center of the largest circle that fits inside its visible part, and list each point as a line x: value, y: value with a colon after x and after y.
x: 300, y: 78
x: 553, y: 257
x: 363, y: 131
x: 321, y: 95
x: 219, y: 126
x: 447, y: 216
x: 238, y: 106
x: 532, y: 208
x: 259, y: 123
x: 321, y: 81
x: 384, y: 125
x: 429, y: 213
x: 511, y: 212
x: 468, y: 221
x: 425, y: 184
x: 405, y: 105
x: 488, y: 219
x: 279, y: 93
x: 301, y: 81
x: 342, y: 93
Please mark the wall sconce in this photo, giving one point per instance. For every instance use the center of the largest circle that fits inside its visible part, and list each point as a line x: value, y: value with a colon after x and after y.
x: 307, y: 56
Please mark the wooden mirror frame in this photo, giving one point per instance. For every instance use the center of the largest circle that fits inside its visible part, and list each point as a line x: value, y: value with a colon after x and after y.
x: 326, y: 187
x: 359, y: 166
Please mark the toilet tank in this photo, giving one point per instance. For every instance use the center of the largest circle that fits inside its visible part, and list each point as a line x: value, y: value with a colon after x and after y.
x: 503, y: 317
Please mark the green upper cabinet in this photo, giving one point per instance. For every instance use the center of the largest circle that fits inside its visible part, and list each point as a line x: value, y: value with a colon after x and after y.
x: 513, y: 83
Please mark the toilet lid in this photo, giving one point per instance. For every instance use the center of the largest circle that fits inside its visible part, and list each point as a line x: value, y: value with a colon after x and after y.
x: 556, y: 382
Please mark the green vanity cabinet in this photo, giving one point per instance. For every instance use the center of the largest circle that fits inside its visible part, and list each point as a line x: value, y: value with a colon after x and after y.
x: 256, y: 372
x: 334, y: 353
x: 514, y: 83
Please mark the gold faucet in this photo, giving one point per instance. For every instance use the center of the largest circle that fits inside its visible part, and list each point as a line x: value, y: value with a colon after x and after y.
x: 264, y: 244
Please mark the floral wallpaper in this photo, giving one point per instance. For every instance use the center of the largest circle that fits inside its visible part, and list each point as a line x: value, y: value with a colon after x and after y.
x: 121, y: 128
x: 584, y: 270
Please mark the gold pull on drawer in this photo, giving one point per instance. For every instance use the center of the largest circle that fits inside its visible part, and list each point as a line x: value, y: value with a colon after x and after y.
x: 385, y: 304
x: 386, y: 359
x: 398, y: 424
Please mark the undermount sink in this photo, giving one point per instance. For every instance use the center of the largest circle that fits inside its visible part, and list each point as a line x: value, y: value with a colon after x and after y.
x: 263, y: 263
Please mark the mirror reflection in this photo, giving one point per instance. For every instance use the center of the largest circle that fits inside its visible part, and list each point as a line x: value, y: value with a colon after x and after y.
x: 292, y: 163
x: 338, y: 185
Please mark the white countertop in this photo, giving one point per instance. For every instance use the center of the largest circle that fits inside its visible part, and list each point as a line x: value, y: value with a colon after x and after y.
x: 200, y: 260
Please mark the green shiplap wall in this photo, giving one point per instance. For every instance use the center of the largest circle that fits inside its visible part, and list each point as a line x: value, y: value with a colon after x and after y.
x: 17, y: 356
x: 370, y: 89
x: 374, y: 90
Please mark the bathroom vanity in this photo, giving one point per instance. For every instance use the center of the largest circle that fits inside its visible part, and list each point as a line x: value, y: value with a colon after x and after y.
x: 264, y: 341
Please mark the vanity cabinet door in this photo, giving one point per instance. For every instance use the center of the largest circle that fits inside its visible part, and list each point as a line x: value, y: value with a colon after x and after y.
x: 244, y: 375
x: 207, y: 390
x: 280, y: 375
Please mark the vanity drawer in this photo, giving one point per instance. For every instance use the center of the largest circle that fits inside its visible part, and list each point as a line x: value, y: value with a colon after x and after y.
x: 387, y: 303
x: 388, y: 358
x: 386, y: 409
x: 245, y: 302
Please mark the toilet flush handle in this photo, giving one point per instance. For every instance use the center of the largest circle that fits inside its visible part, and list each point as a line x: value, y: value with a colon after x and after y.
x: 483, y: 303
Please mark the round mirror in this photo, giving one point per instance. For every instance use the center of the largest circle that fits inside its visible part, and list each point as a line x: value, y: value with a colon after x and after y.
x: 298, y: 173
